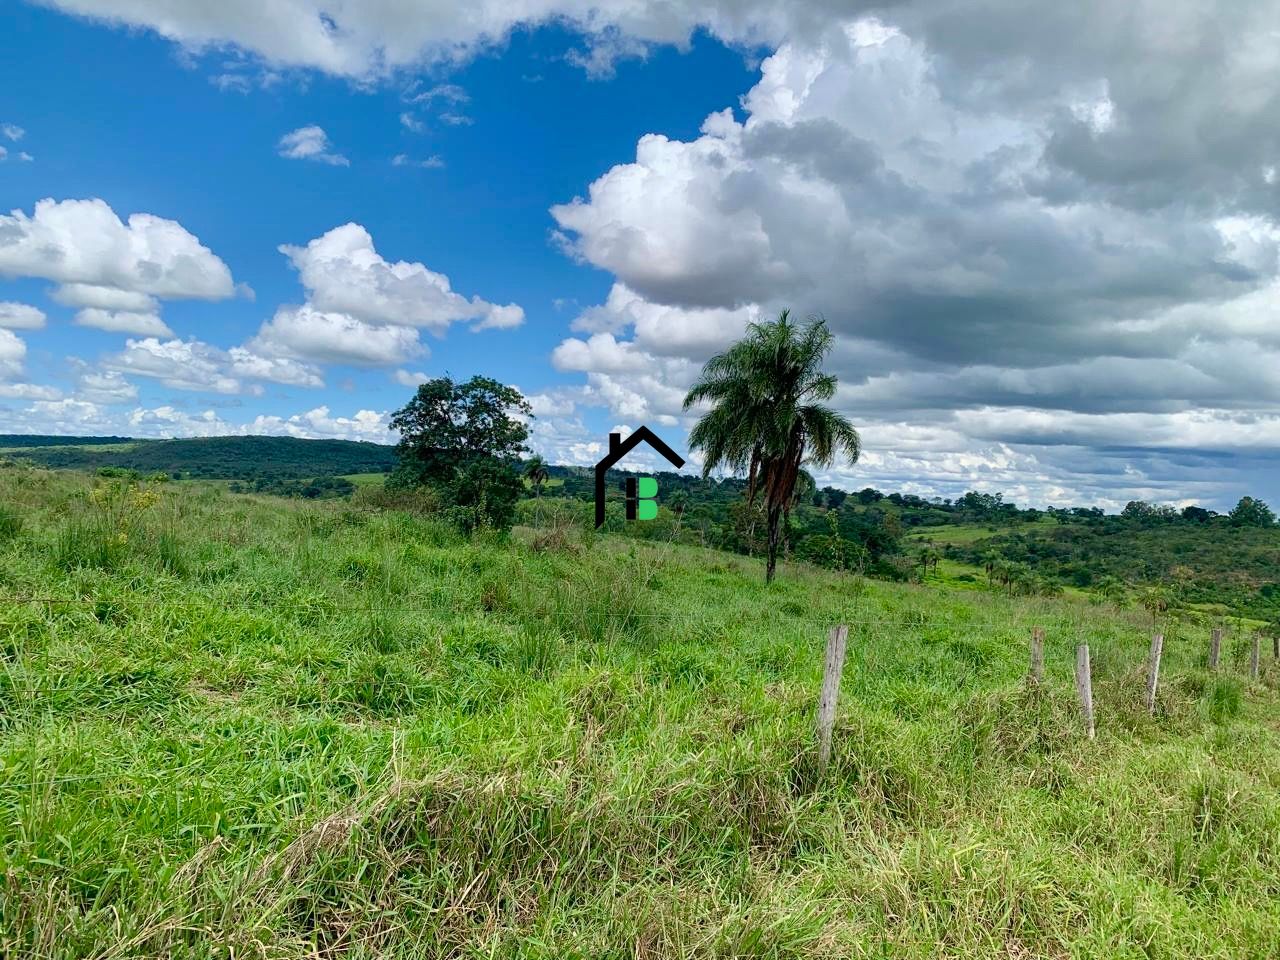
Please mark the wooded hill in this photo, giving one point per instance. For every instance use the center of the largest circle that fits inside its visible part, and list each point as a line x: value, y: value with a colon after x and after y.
x: 224, y: 458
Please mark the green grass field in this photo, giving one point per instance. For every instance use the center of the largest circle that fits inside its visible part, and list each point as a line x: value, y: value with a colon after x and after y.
x: 366, y: 479
x: 234, y: 726
x: 969, y: 532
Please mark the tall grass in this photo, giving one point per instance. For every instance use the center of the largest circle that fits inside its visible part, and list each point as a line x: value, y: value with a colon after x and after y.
x: 266, y: 728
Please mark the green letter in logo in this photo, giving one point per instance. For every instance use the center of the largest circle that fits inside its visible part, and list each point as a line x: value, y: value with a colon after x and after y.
x: 640, y: 502
x: 646, y: 506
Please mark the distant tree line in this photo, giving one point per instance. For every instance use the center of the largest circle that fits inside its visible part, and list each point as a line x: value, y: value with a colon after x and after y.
x: 317, y: 488
x: 225, y: 458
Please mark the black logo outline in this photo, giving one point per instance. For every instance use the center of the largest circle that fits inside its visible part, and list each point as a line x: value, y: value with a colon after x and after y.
x: 619, y: 448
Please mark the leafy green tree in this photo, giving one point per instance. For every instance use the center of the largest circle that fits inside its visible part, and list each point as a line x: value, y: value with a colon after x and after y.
x: 1252, y: 513
x: 767, y: 416
x: 463, y: 440
x: 833, y: 498
x: 484, y: 492
x: 981, y: 506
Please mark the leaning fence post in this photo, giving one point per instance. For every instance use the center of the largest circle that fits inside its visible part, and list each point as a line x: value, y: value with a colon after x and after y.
x: 1253, y: 656
x: 1153, y: 671
x: 1084, y: 686
x: 831, y: 670
x: 1215, y: 647
x: 1037, y: 654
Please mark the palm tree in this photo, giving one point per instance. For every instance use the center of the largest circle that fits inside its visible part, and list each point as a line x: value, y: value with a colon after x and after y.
x: 1110, y: 588
x: 990, y: 561
x: 767, y: 416
x: 678, y: 502
x: 929, y: 558
x: 535, y: 471
x: 1156, y: 601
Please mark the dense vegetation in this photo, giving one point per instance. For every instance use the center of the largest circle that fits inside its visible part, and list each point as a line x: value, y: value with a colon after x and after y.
x: 234, y: 725
x: 238, y: 458
x: 319, y: 488
x: 1232, y: 567
x: 22, y: 441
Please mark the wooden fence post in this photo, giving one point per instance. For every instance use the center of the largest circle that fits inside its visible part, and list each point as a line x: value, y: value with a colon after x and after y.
x: 1037, y: 654
x: 1253, y: 656
x: 1084, y: 686
x: 831, y: 670
x: 1215, y: 648
x: 1275, y: 647
x: 1153, y: 671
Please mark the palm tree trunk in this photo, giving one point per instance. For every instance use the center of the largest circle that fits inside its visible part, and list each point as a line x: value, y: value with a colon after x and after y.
x: 775, y: 534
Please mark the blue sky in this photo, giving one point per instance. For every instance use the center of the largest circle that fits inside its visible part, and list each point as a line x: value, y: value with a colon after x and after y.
x: 1060, y: 284
x: 136, y: 124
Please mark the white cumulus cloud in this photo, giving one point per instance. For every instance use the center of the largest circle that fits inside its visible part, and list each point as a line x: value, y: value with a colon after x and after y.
x: 307, y: 333
x: 202, y: 367
x: 343, y: 273
x: 20, y: 316
x: 76, y: 242
x: 310, y: 143
x: 13, y: 351
x: 123, y: 321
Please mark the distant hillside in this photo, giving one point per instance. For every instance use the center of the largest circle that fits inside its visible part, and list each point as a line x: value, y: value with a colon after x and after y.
x: 232, y: 458
x: 16, y: 441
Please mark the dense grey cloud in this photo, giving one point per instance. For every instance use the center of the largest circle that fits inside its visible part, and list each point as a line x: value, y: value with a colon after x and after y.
x: 994, y: 279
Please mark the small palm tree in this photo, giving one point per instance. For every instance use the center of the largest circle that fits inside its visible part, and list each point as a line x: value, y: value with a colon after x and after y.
x: 767, y: 416
x: 1155, y: 599
x: 1110, y: 588
x: 535, y: 471
x: 929, y: 558
x: 990, y: 562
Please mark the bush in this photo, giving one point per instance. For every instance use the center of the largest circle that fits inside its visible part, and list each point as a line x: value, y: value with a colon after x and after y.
x: 482, y: 495
x: 118, y: 473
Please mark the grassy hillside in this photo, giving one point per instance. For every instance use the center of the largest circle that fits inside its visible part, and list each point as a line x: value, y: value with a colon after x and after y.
x: 1207, y: 565
x: 216, y: 457
x: 253, y: 727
